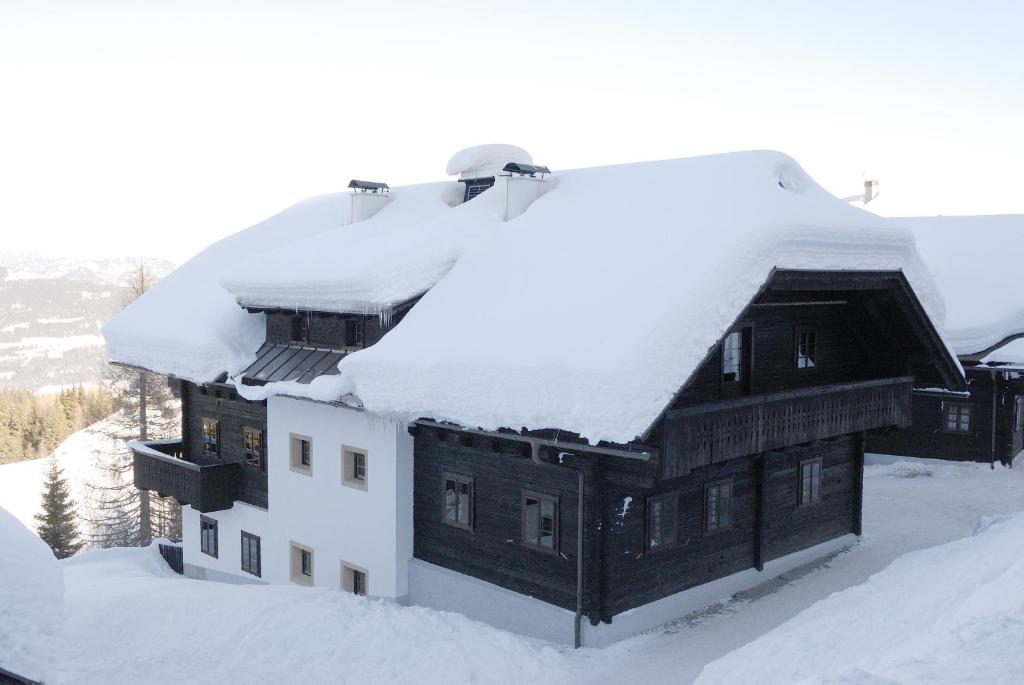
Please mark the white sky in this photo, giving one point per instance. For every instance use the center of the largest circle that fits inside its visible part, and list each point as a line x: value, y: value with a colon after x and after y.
x: 130, y: 127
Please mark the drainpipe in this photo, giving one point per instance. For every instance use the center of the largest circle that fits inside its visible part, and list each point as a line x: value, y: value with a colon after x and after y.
x: 535, y: 458
x: 995, y: 392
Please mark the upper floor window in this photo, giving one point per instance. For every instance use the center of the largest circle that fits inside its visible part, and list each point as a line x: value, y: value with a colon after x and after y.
x: 810, y: 481
x: 732, y: 357
x: 353, y: 468
x: 717, y: 506
x: 253, y: 439
x: 806, y: 349
x: 957, y: 417
x: 300, y: 454
x: 301, y: 564
x: 662, y: 520
x: 1018, y: 414
x: 251, y: 554
x: 211, y: 436
x: 540, y: 521
x: 353, y: 332
x: 458, y: 501
x: 300, y: 328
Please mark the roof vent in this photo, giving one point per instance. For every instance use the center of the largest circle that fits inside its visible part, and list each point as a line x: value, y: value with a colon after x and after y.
x: 367, y: 198
x: 870, y: 189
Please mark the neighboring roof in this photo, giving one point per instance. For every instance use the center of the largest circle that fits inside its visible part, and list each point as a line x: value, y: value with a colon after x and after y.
x: 976, y: 262
x: 587, y: 312
x: 299, y: 363
x: 1010, y: 354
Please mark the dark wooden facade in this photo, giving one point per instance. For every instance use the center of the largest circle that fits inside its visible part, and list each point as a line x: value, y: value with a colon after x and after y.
x: 996, y: 431
x: 873, y: 342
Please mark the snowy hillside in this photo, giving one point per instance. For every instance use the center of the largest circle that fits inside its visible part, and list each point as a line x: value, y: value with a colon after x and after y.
x: 128, y: 619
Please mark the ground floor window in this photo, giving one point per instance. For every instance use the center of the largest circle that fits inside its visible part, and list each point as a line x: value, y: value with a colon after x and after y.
x: 208, y: 536
x: 810, y: 481
x: 717, y: 506
x: 301, y: 563
x: 540, y: 521
x: 251, y: 554
x: 957, y: 417
x: 662, y: 520
x: 354, y: 579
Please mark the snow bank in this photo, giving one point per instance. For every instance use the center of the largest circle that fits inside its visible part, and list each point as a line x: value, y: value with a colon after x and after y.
x: 975, y: 262
x: 31, y: 598
x: 950, y: 614
x: 190, y: 327
x: 128, y: 621
x: 526, y: 326
x: 485, y: 160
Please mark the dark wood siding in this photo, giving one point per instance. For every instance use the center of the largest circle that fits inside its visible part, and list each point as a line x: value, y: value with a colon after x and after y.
x: 234, y: 413
x: 325, y: 330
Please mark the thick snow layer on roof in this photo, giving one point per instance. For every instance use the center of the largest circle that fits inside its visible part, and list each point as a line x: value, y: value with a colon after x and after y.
x: 975, y: 261
x: 1010, y: 353
x: 187, y: 325
x: 591, y: 309
x: 485, y: 160
x: 31, y: 597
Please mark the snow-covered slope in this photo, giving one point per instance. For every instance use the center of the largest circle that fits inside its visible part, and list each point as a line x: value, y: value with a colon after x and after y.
x: 31, y: 599
x: 975, y: 261
x: 952, y: 615
x: 671, y: 251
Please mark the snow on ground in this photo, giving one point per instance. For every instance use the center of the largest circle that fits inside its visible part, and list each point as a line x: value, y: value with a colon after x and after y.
x: 129, y: 620
x: 31, y: 597
x: 21, y: 483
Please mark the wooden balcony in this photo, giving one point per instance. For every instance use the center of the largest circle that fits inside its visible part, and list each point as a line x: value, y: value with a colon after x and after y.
x: 206, y: 483
x: 717, y: 431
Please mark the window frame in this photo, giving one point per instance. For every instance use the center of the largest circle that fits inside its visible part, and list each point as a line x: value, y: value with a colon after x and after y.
x: 815, y: 495
x: 716, y: 487
x: 348, y: 578
x: 960, y: 406
x: 261, y: 460
x: 541, y: 497
x: 295, y: 464
x: 1018, y: 413
x: 649, y: 526
x: 348, y: 462
x: 297, y: 553
x: 259, y: 553
x: 459, y: 479
x: 209, y: 524
x: 812, y: 334
x: 204, y: 422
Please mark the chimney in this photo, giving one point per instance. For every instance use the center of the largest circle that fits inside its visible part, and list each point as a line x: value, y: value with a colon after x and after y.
x: 367, y: 198
x: 524, y: 184
x: 870, y: 189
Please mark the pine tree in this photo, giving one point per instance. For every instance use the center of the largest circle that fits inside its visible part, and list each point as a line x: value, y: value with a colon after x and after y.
x: 57, y: 523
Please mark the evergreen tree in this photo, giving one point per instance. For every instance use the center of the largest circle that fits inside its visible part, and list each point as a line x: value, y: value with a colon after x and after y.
x: 57, y: 523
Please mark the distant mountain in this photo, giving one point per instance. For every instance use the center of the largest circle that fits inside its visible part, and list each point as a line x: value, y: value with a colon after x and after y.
x: 51, y: 311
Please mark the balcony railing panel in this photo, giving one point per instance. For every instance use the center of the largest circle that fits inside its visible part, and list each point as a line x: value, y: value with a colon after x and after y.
x: 163, y: 467
x: 717, y: 431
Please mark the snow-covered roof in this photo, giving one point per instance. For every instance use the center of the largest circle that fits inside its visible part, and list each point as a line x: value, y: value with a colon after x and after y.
x: 585, y: 313
x: 485, y: 160
x: 975, y: 261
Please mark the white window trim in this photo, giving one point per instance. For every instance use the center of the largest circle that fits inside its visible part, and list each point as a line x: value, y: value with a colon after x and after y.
x: 295, y: 550
x: 346, y: 450
x: 346, y: 584
x: 295, y: 454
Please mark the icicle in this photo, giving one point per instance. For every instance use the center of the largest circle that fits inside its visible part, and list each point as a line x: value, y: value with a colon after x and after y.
x: 385, y: 318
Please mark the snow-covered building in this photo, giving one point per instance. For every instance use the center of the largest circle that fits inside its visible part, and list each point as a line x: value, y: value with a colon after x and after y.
x: 974, y: 261
x: 573, y: 404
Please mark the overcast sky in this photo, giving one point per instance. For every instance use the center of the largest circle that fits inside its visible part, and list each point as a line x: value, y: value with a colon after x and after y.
x: 156, y: 128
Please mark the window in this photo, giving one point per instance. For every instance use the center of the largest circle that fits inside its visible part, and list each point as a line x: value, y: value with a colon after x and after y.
x: 354, y: 579
x: 1018, y: 414
x: 251, y: 554
x: 353, y: 332
x: 806, y: 349
x: 457, y: 494
x: 810, y: 481
x: 208, y: 536
x: 253, y: 446
x: 717, y: 506
x: 732, y: 357
x: 300, y: 328
x: 211, y: 436
x: 662, y: 521
x: 540, y: 521
x: 300, y: 454
x: 301, y: 564
x: 957, y: 417
x: 353, y: 468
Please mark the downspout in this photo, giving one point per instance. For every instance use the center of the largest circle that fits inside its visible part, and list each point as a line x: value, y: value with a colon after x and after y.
x: 995, y: 394
x: 535, y: 458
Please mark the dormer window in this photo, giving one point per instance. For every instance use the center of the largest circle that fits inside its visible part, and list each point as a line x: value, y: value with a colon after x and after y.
x: 354, y: 333
x: 300, y: 328
x: 475, y: 186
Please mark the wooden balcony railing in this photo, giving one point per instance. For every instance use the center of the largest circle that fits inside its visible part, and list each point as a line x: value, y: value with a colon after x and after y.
x: 163, y: 467
x: 716, y: 431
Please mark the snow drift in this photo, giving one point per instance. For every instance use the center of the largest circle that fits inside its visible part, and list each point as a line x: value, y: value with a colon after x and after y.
x: 950, y: 614
x: 31, y: 598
